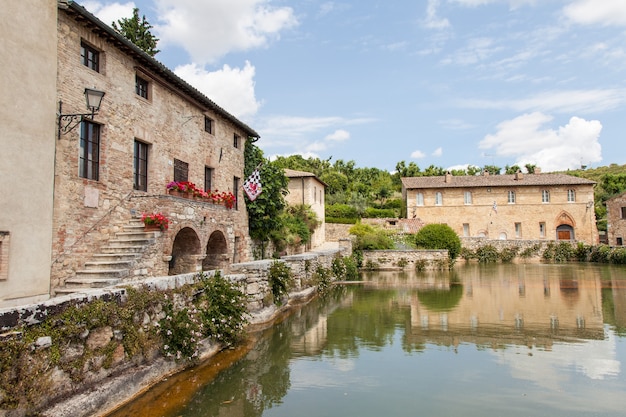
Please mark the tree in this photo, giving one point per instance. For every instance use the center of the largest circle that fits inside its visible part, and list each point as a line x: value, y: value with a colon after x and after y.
x: 439, y: 236
x: 138, y: 32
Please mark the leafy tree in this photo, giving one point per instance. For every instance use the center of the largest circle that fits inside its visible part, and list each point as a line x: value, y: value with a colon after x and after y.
x: 439, y: 236
x: 138, y: 32
x: 511, y: 169
x: 336, y: 182
x: 530, y: 168
x: 492, y: 169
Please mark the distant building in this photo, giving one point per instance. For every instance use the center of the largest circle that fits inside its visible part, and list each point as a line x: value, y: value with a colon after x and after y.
x: 305, y: 188
x: 519, y: 206
x: 616, y: 220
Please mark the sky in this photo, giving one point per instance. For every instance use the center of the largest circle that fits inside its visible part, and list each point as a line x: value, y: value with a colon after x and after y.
x: 448, y: 83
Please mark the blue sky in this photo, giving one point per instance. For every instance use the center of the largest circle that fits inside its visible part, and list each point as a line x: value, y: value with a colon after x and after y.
x: 435, y: 82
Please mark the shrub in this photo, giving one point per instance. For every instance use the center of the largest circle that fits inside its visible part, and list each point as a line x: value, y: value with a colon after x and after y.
x: 280, y: 280
x: 467, y: 254
x: 371, y: 213
x: 439, y: 236
x: 508, y: 254
x: 582, y: 252
x: 341, y: 211
x: 371, y: 238
x: 530, y: 251
x: 600, y: 254
x: 618, y: 256
x: 487, y: 254
x: 563, y: 252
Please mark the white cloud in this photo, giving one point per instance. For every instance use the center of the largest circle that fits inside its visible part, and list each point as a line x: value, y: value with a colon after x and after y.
x: 513, y: 4
x: 432, y: 21
x: 207, y: 30
x: 590, y: 12
x: 110, y: 13
x: 527, y: 140
x: 339, y: 135
x: 230, y: 88
x: 476, y: 50
x: 567, y: 101
x: 418, y: 154
x: 437, y: 152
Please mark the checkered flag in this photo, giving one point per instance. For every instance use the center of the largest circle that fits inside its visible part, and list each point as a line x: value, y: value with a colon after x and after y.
x: 252, y: 185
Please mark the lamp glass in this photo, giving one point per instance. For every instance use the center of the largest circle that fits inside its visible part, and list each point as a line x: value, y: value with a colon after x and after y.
x: 94, y: 99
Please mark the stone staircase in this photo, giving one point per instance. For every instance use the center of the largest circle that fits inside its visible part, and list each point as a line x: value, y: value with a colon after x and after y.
x: 116, y: 261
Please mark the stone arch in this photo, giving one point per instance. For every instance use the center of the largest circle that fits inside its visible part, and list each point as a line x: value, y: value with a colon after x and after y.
x: 565, y: 226
x: 185, y: 252
x: 217, y: 256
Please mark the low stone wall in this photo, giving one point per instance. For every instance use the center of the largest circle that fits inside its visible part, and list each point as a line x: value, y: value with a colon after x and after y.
x: 405, y: 259
x: 473, y: 243
x: 105, y: 386
x: 336, y: 231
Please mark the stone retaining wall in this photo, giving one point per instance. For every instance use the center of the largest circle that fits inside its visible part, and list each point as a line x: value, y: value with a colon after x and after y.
x: 405, y: 259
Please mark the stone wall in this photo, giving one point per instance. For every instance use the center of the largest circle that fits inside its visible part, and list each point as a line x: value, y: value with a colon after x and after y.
x: 616, y: 223
x: 473, y: 243
x: 336, y: 231
x: 405, y: 259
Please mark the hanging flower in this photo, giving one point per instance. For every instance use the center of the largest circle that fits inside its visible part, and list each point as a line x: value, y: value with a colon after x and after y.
x: 157, y: 219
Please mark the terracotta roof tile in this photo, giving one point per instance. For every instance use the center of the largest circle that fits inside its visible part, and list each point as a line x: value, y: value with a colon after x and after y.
x: 468, y: 181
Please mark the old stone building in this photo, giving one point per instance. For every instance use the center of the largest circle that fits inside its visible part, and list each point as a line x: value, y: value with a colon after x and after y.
x: 616, y: 219
x: 305, y: 188
x: 540, y: 206
x: 27, y: 140
x: 152, y: 128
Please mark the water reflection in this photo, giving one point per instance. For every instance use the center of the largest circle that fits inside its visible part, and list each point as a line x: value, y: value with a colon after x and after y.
x: 505, y: 339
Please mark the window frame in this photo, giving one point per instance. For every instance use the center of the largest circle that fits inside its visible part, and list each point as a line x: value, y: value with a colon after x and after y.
x: 438, y: 198
x: 542, y: 229
x: 181, y: 170
x: 142, y: 87
x: 467, y: 198
x: 89, y: 150
x: 209, y: 125
x: 141, y: 153
x: 571, y: 195
x: 518, y: 230
x: 419, y: 199
x: 236, y: 140
x: 90, y: 56
x: 545, y: 196
x: 622, y: 212
x: 236, y: 186
x: 511, y: 199
x: 208, y: 178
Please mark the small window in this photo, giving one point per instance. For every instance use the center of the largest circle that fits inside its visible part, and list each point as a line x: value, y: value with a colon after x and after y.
x: 141, y: 86
x: 209, y: 125
x: 4, y: 255
x: 140, y: 166
x: 511, y: 199
x: 419, y: 199
x: 208, y: 178
x: 438, y: 198
x: 236, y: 139
x: 466, y: 230
x: 518, y: 230
x: 623, y: 212
x: 542, y: 229
x: 571, y: 196
x: 467, y: 196
x: 90, y: 57
x: 236, y: 191
x: 545, y: 196
x: 619, y: 242
x: 89, y: 156
x: 181, y: 171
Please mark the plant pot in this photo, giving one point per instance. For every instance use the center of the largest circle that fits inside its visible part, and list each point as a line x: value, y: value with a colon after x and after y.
x: 151, y: 228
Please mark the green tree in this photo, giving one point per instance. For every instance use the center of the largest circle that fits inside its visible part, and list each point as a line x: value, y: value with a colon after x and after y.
x: 439, y: 236
x: 138, y: 32
x: 492, y: 169
x: 511, y: 169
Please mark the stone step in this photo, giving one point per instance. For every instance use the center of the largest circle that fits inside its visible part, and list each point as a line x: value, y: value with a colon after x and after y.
x: 122, y: 249
x: 104, y: 274
x: 131, y: 241
x: 81, y: 283
x: 119, y: 256
x: 109, y: 265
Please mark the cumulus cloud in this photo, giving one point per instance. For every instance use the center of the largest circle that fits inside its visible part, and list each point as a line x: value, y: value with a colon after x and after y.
x: 437, y: 152
x: 526, y: 139
x: 208, y: 30
x: 110, y: 13
x: 594, y: 12
x: 230, y: 88
x: 417, y: 154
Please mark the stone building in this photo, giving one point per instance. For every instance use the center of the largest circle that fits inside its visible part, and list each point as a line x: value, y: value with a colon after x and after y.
x: 616, y: 219
x: 74, y: 221
x: 540, y: 206
x: 27, y: 141
x: 305, y: 188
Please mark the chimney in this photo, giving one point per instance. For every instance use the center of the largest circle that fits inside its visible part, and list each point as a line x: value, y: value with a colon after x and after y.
x: 448, y: 177
x: 519, y: 175
x: 485, y: 173
x: 537, y: 170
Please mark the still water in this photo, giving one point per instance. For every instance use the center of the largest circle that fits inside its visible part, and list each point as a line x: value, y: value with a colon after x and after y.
x: 501, y: 340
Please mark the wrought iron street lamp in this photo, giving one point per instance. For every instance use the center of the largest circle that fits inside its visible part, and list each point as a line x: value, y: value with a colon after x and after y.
x: 67, y: 122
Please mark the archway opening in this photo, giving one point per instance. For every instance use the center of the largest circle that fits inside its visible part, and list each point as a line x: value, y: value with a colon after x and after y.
x: 185, y: 252
x: 565, y: 232
x: 216, y: 252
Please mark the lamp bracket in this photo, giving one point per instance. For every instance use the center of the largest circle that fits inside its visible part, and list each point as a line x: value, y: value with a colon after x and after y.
x: 67, y: 122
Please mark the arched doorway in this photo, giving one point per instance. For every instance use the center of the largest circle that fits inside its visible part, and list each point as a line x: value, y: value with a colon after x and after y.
x: 216, y: 252
x: 185, y: 252
x: 565, y: 232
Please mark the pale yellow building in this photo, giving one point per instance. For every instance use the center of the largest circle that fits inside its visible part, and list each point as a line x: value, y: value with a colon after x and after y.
x: 305, y: 188
x: 540, y: 206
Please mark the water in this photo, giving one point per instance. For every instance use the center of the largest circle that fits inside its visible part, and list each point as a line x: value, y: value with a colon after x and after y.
x: 501, y: 340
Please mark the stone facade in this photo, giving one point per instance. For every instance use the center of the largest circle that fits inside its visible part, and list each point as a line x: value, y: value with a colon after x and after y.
x: 27, y: 141
x: 517, y: 207
x: 616, y: 220
x: 405, y: 259
x: 306, y: 188
x: 152, y: 119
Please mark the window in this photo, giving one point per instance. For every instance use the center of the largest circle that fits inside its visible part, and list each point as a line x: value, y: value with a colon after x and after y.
x: 141, y: 87
x: 140, y: 166
x: 89, y: 157
x: 623, y: 212
x: 468, y: 197
x: 419, y: 199
x: 511, y: 199
x: 236, y: 191
x: 208, y: 125
x: 545, y: 196
x: 208, y: 178
x: 181, y: 171
x: 618, y: 241
x: 571, y: 196
x: 438, y: 198
x: 236, y: 141
x: 466, y: 230
x: 518, y: 230
x: 542, y: 229
x: 4, y: 255
x: 89, y: 57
